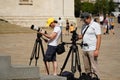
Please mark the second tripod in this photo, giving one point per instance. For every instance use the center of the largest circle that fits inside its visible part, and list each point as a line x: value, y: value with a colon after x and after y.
x: 75, y: 60
x: 75, y: 63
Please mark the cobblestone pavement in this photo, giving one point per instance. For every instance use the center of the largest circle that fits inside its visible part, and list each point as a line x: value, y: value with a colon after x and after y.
x: 19, y: 47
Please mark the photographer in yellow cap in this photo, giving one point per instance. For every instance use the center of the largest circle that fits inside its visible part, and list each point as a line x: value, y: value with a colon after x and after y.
x: 49, y: 21
x: 50, y: 55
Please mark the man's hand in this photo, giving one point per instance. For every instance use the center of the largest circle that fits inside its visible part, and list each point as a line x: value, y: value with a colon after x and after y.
x: 46, y: 40
x: 79, y: 36
x: 42, y: 32
x: 96, y: 52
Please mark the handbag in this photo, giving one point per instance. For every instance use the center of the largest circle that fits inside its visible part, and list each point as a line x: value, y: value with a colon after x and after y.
x: 60, y: 48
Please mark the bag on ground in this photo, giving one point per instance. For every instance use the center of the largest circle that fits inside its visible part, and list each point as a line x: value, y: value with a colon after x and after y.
x: 68, y: 75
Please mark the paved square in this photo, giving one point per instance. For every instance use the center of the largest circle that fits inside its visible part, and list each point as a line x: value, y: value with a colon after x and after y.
x: 19, y: 46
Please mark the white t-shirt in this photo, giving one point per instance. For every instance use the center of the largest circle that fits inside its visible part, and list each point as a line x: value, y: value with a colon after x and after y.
x: 60, y: 22
x: 90, y: 35
x: 101, y: 18
x: 54, y: 42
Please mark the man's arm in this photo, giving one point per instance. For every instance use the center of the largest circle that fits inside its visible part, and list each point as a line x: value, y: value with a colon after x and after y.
x: 97, y: 45
x: 51, y: 36
x: 98, y: 42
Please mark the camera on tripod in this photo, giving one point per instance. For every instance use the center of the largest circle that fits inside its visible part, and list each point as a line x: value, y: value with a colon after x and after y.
x: 37, y: 45
x: 38, y: 29
x: 74, y: 35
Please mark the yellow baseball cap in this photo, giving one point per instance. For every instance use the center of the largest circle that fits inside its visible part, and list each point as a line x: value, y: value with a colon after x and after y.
x: 49, y: 21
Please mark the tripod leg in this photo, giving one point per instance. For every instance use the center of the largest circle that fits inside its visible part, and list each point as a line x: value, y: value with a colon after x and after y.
x: 61, y: 35
x: 78, y: 60
x: 73, y: 64
x: 37, y: 52
x: 66, y: 60
x: 44, y: 57
x: 33, y: 52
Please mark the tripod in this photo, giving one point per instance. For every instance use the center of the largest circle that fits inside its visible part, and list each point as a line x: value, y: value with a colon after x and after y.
x: 36, y: 50
x: 75, y: 60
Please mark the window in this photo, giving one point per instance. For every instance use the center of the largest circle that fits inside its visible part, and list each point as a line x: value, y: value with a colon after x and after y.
x: 25, y: 2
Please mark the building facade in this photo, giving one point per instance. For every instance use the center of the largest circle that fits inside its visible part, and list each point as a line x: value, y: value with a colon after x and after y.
x: 27, y: 12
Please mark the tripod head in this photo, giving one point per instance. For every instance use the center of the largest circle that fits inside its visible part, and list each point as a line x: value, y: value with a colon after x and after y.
x: 39, y: 35
x: 74, y: 36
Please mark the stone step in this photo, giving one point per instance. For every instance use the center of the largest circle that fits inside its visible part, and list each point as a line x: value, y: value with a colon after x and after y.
x: 7, y: 71
x: 5, y: 63
x: 22, y: 72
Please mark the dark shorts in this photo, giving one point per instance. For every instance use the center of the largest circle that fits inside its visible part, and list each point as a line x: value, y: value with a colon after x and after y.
x: 50, y: 53
x: 111, y: 27
x: 101, y: 22
x: 67, y: 28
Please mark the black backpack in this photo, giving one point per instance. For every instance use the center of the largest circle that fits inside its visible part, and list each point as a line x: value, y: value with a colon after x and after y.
x: 68, y: 75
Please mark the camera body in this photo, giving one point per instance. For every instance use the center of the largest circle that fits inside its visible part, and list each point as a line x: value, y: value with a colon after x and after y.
x: 74, y: 35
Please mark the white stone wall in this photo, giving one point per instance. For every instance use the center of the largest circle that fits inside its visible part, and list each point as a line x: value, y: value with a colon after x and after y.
x: 69, y: 8
x: 37, y: 13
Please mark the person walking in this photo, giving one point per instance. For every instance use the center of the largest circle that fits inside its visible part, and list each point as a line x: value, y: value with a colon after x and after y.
x: 101, y: 18
x: 91, y: 43
x: 118, y: 18
x: 50, y: 55
x: 60, y: 22
x: 72, y: 28
x: 111, y: 24
x: 105, y: 25
x: 67, y: 26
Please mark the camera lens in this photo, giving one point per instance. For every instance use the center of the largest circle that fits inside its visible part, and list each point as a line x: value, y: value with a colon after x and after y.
x: 32, y: 26
x: 35, y: 28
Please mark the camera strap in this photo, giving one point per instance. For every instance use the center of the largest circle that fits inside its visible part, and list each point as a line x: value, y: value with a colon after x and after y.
x: 85, y: 31
x: 83, y: 36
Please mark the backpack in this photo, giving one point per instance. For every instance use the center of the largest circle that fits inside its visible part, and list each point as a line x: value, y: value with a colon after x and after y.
x: 89, y: 76
x: 68, y: 75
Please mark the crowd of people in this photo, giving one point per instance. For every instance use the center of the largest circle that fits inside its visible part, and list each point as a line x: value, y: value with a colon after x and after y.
x: 107, y: 22
x: 69, y: 27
